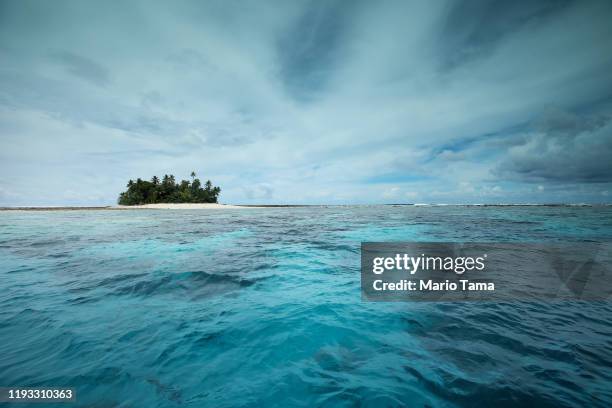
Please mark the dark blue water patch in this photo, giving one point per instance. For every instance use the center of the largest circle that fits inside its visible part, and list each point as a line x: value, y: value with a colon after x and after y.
x: 194, y: 284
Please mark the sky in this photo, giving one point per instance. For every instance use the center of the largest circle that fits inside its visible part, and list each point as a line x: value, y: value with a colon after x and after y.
x: 308, y: 102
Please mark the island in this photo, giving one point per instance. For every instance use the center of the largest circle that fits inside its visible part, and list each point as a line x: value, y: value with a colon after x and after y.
x: 142, y: 192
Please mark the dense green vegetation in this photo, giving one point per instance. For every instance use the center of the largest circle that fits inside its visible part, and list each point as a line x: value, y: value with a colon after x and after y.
x: 168, y: 191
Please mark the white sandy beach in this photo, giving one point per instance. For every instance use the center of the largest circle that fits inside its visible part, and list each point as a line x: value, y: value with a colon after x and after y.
x: 184, y: 206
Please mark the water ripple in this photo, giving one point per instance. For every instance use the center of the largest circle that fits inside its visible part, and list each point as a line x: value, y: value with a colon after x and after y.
x: 263, y: 308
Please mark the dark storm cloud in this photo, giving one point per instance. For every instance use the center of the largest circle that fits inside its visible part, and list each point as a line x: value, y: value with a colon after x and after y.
x: 564, y: 147
x: 472, y: 29
x: 310, y: 49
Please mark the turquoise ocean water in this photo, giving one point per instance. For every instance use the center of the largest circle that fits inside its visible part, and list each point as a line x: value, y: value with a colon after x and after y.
x: 262, y: 307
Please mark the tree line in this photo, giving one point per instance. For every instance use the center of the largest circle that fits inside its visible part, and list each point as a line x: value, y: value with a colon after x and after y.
x: 167, y: 190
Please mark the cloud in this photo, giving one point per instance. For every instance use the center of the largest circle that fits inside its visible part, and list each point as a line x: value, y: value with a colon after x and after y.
x: 451, y: 155
x: 391, y: 192
x: 260, y: 191
x: 473, y: 30
x: 307, y: 102
x: 565, y: 148
x: 310, y: 51
x: 83, y: 67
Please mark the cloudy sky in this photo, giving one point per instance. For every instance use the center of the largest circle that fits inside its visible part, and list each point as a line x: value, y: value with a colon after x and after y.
x: 308, y: 101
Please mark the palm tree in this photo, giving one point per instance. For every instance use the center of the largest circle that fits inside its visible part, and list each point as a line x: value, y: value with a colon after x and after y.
x: 166, y: 190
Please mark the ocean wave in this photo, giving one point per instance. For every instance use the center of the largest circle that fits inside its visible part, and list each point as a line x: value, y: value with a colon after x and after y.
x: 264, y: 308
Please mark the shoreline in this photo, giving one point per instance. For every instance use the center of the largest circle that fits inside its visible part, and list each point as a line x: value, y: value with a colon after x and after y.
x: 179, y: 206
x: 210, y: 206
x: 163, y: 206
